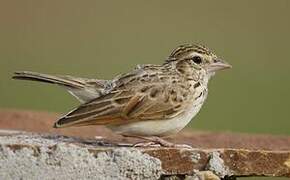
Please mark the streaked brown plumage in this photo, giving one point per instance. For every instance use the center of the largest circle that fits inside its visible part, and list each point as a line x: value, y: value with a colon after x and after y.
x: 151, y: 100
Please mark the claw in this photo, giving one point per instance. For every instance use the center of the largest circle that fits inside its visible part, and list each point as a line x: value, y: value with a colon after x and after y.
x: 185, y: 146
x: 146, y: 144
x: 155, y: 141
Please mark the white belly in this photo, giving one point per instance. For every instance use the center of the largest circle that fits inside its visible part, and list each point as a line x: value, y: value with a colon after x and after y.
x: 159, y: 127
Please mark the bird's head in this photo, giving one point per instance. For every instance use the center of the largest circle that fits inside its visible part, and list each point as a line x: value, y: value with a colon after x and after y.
x: 199, y: 57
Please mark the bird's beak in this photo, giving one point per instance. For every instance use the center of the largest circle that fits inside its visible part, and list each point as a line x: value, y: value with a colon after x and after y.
x: 217, y: 65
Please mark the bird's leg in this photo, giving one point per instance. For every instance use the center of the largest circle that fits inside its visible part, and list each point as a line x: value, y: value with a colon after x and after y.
x: 155, y: 141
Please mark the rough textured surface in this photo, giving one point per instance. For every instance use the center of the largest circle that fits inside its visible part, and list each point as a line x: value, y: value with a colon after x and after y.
x: 79, y: 155
x: 33, y: 156
x: 216, y: 164
x: 54, y: 156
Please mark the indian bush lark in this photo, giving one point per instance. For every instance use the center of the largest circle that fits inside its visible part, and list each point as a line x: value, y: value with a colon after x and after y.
x: 151, y: 101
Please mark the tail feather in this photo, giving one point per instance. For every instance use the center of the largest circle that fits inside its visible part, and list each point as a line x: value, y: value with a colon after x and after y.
x: 33, y: 76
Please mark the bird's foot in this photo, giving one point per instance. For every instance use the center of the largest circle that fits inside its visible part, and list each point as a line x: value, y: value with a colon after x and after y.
x: 185, y: 146
x: 155, y: 141
x: 146, y: 144
x: 165, y: 143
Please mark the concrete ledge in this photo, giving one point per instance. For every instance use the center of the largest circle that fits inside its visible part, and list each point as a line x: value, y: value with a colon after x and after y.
x: 30, y: 156
x: 80, y: 153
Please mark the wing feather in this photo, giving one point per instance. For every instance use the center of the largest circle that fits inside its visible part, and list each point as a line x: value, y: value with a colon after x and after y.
x: 132, y: 102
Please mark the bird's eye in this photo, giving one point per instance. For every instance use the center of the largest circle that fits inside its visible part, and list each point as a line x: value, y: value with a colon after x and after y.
x: 196, y: 59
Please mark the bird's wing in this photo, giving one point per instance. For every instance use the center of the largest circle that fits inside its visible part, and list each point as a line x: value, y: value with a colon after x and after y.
x: 133, y: 100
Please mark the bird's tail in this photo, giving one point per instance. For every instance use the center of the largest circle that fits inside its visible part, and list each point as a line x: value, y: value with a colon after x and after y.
x: 67, y: 81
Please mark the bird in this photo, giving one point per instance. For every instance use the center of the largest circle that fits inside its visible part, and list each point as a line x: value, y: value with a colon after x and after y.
x: 149, y: 102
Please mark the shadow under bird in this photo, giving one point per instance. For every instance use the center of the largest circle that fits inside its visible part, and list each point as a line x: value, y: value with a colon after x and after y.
x: 150, y: 102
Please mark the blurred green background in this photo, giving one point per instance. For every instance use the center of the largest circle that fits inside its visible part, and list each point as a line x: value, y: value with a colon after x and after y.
x: 101, y: 39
